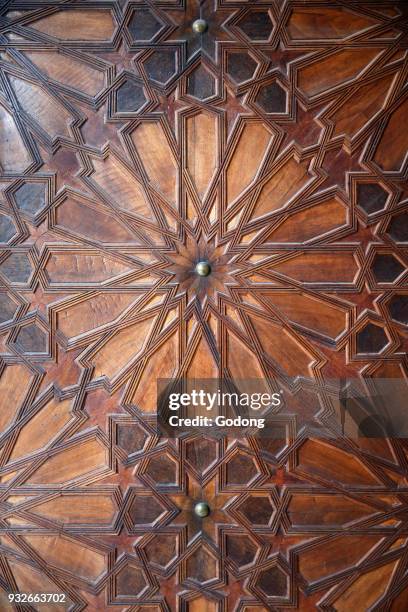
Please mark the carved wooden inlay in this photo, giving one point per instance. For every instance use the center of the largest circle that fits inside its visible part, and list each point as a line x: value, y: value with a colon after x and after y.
x: 230, y: 201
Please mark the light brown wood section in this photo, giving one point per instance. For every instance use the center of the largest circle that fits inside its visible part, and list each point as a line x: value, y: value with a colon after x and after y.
x: 78, y: 24
x: 68, y: 71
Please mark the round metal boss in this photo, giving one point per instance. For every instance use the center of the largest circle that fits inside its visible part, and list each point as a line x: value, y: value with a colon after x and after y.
x: 200, y: 26
x: 203, y: 268
x: 202, y: 509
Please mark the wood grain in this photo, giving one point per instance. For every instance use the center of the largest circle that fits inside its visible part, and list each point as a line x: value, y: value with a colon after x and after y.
x: 272, y: 146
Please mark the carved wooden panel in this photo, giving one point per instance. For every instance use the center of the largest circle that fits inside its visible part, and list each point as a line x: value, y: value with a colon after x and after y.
x: 275, y: 146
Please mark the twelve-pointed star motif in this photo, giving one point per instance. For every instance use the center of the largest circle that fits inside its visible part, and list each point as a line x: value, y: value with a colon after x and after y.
x: 207, y: 42
x: 194, y: 494
x: 184, y: 268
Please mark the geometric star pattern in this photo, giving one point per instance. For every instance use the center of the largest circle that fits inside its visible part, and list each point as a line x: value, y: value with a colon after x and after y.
x: 130, y: 148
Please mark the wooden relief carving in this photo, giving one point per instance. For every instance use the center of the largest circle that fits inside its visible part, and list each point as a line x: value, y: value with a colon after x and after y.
x: 274, y: 145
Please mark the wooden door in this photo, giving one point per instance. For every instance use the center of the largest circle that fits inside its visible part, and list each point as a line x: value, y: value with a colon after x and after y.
x: 274, y: 146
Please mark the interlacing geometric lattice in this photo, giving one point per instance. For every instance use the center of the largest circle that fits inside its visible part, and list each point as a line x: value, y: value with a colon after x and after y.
x: 274, y: 146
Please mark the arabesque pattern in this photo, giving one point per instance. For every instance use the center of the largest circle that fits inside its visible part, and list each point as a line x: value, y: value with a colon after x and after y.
x: 273, y: 145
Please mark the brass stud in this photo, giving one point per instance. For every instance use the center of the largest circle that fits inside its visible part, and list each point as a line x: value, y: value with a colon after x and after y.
x: 202, y: 509
x: 203, y: 268
x: 200, y: 26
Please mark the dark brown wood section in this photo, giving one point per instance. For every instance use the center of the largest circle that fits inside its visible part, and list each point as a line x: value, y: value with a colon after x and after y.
x: 274, y: 145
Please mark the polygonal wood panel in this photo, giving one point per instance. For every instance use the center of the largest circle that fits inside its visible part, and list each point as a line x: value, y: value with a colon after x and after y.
x: 274, y: 146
